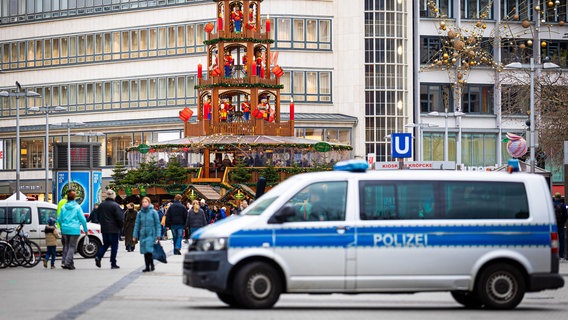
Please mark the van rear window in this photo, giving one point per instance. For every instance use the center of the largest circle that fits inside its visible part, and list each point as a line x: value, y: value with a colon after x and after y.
x: 381, y: 200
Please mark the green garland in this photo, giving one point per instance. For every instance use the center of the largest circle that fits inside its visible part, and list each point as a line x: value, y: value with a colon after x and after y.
x: 229, y: 147
x: 239, y: 85
x: 253, y: 40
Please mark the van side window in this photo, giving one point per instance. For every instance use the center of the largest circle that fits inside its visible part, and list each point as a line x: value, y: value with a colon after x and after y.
x: 20, y: 215
x: 3, y: 216
x: 45, y: 213
x: 442, y: 200
x: 398, y: 200
x: 322, y: 201
x: 486, y: 200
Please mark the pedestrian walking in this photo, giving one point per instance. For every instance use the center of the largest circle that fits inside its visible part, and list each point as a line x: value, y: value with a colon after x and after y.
x: 129, y: 220
x: 51, y: 236
x: 93, y: 217
x: 561, y: 218
x: 175, y: 221
x: 205, y: 209
x: 71, y: 218
x: 195, y: 218
x: 147, y: 230
x: 112, y: 221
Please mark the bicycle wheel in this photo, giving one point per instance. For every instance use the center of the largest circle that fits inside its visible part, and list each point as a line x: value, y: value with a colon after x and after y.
x: 6, y: 255
x: 35, y: 255
x: 23, y: 254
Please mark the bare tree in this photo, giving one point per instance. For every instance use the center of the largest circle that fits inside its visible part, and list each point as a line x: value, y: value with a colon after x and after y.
x: 551, y: 108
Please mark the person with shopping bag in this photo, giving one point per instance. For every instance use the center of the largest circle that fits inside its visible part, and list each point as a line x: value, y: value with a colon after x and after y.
x: 147, y: 229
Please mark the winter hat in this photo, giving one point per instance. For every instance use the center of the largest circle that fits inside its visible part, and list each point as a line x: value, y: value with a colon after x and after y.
x: 51, y: 221
x: 110, y: 194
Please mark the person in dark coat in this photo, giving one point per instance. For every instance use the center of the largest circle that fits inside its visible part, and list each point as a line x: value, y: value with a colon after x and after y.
x: 175, y: 220
x: 147, y: 230
x: 93, y: 217
x: 111, y: 219
x: 195, y: 218
x: 129, y: 220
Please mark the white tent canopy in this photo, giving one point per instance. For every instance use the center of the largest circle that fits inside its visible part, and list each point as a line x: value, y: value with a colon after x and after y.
x: 23, y: 197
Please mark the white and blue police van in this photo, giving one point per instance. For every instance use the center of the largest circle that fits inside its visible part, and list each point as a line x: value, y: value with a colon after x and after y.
x: 485, y: 237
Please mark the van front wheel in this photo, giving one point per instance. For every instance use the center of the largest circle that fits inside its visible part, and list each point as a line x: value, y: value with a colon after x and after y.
x: 501, y: 286
x: 257, y: 285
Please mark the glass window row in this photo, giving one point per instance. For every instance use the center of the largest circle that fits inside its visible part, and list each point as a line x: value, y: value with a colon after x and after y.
x: 143, y: 43
x: 170, y: 91
x: 431, y: 49
x: 14, y: 11
x: 472, y: 9
x: 440, y: 97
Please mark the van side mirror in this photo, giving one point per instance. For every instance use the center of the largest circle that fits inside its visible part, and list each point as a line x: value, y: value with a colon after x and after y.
x: 283, y: 214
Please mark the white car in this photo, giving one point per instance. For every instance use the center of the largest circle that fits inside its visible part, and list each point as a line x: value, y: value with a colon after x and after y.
x: 34, y: 215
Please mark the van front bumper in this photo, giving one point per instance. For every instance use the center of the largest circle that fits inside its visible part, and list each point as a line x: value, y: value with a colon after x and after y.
x: 206, y: 269
x: 543, y: 281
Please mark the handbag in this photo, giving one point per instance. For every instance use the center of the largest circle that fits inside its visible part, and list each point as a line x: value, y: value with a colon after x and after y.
x: 159, y: 253
x: 169, y: 234
x: 163, y: 222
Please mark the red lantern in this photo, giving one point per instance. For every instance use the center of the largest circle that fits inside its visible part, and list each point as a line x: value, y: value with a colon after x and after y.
x: 278, y: 72
x: 185, y: 114
x: 152, y: 150
x: 209, y: 27
x: 185, y: 149
x: 216, y: 72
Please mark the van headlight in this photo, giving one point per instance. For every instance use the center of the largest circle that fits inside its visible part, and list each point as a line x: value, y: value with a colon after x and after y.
x: 215, y: 244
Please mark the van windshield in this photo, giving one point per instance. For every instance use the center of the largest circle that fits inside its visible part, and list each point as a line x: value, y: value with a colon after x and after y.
x: 258, y: 206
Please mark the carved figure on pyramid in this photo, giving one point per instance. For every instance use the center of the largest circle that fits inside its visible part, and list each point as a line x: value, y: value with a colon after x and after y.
x: 237, y: 18
x: 228, y: 64
x: 251, y: 24
x: 207, y: 110
x: 224, y: 110
x: 245, y: 108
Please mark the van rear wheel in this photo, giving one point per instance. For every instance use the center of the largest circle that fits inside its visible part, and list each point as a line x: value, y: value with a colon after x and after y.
x: 501, y: 286
x: 467, y: 298
x: 90, y: 250
x: 257, y: 285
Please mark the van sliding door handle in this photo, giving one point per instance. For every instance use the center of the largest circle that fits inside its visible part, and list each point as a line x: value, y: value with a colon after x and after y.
x: 341, y: 229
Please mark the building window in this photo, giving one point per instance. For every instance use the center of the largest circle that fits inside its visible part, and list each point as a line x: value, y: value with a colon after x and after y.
x: 478, y: 149
x: 515, y: 99
x: 312, y: 86
x: 429, y: 49
x: 474, y: 9
x: 445, y: 7
x: 435, y: 97
x: 477, y: 99
x: 303, y: 33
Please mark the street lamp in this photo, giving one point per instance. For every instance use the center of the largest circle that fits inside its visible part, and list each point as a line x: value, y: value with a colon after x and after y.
x: 69, y: 125
x: 420, y: 126
x: 18, y: 94
x: 531, y: 67
x: 446, y: 114
x: 47, y: 110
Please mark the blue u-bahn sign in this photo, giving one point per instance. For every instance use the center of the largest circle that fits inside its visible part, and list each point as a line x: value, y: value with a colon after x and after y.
x: 401, y: 145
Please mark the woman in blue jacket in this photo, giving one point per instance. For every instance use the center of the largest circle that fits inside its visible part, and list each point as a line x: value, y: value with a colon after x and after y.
x: 70, y: 219
x: 147, y: 230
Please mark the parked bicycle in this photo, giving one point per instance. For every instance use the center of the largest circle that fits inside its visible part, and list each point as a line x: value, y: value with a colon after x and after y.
x: 26, y: 252
x: 6, y: 253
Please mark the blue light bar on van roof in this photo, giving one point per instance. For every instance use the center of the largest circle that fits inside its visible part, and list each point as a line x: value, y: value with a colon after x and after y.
x: 351, y: 166
x: 513, y: 165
